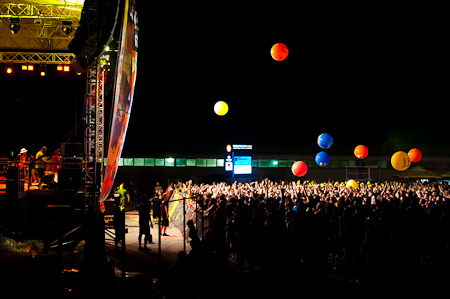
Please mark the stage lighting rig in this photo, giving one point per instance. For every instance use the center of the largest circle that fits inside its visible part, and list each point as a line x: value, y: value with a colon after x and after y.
x: 43, y: 70
x: 14, y: 26
x: 67, y: 27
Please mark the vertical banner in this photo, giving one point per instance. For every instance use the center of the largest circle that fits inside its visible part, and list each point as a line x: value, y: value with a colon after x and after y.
x: 123, y: 97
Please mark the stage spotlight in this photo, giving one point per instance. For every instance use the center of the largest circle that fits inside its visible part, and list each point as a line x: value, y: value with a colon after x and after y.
x: 59, y: 68
x: 14, y: 26
x: 66, y: 68
x: 67, y: 27
x: 9, y: 69
x: 24, y: 67
x: 30, y: 67
x: 43, y: 70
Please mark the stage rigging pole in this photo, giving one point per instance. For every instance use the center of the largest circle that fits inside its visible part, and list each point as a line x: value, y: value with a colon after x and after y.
x: 94, y: 114
x: 94, y: 224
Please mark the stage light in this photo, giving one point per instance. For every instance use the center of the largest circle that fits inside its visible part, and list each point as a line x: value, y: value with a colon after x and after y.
x: 67, y: 27
x: 9, y: 69
x: 24, y: 67
x: 59, y: 68
x: 30, y: 67
x: 66, y: 68
x: 14, y: 26
x: 43, y: 70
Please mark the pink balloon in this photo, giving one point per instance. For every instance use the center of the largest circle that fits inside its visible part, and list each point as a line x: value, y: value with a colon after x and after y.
x: 299, y: 168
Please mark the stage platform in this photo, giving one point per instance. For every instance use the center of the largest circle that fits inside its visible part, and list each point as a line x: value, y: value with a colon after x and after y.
x: 37, y: 212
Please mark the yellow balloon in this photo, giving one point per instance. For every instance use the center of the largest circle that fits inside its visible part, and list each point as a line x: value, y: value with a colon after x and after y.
x: 221, y: 108
x: 400, y: 161
x: 352, y: 183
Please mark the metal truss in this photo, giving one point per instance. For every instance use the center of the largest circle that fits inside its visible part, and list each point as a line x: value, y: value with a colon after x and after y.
x: 99, y: 120
x: 37, y: 58
x: 40, y: 11
x: 94, y: 114
x: 94, y: 130
x: 36, y: 37
x: 89, y: 134
x: 92, y: 32
x: 40, y: 26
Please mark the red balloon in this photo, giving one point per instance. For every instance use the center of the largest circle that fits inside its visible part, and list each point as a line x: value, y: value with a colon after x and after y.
x: 415, y: 155
x: 279, y: 52
x: 299, y: 168
x: 361, y: 152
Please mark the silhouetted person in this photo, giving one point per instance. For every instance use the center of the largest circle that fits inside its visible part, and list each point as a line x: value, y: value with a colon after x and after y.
x: 156, y: 204
x: 144, y: 223
x: 257, y: 238
x: 164, y: 208
x: 134, y: 199
x: 242, y: 232
x: 193, y: 234
x: 119, y: 223
x: 176, y: 283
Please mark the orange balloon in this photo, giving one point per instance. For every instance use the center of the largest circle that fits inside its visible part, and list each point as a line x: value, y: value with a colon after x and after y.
x: 400, y: 161
x: 361, y: 152
x: 299, y: 168
x: 279, y: 52
x: 415, y: 155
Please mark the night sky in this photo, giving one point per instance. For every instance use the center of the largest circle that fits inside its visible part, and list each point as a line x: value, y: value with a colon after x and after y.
x: 378, y: 85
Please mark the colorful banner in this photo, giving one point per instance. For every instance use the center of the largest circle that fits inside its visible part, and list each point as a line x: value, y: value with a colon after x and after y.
x: 123, y: 98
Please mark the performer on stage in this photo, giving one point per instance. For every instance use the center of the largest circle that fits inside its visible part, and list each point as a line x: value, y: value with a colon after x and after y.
x: 40, y: 167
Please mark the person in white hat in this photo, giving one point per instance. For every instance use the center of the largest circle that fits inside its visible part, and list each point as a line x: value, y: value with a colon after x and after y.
x: 21, y: 157
x: 18, y: 162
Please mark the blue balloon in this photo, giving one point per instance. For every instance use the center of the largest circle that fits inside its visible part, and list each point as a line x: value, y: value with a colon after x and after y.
x: 322, y: 159
x: 325, y: 140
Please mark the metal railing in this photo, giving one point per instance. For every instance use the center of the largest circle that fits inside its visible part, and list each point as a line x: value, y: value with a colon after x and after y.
x: 358, y: 173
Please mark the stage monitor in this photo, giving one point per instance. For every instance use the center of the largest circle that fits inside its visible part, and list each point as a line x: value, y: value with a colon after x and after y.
x: 242, y: 165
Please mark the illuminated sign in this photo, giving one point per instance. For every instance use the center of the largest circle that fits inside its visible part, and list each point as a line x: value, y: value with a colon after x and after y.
x: 242, y: 165
x: 228, y: 164
x: 242, y: 146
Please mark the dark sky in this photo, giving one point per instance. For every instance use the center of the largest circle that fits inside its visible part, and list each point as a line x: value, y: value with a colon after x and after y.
x: 378, y: 85
x: 363, y: 84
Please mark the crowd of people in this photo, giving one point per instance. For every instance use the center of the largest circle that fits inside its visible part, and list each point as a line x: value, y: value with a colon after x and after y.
x: 306, y: 224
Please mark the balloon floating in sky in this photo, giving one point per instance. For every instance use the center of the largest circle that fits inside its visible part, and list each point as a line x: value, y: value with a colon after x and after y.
x: 322, y: 159
x: 361, y: 152
x: 325, y: 140
x: 352, y: 183
x: 415, y: 155
x: 279, y: 52
x: 400, y: 161
x: 221, y: 108
x: 299, y: 168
